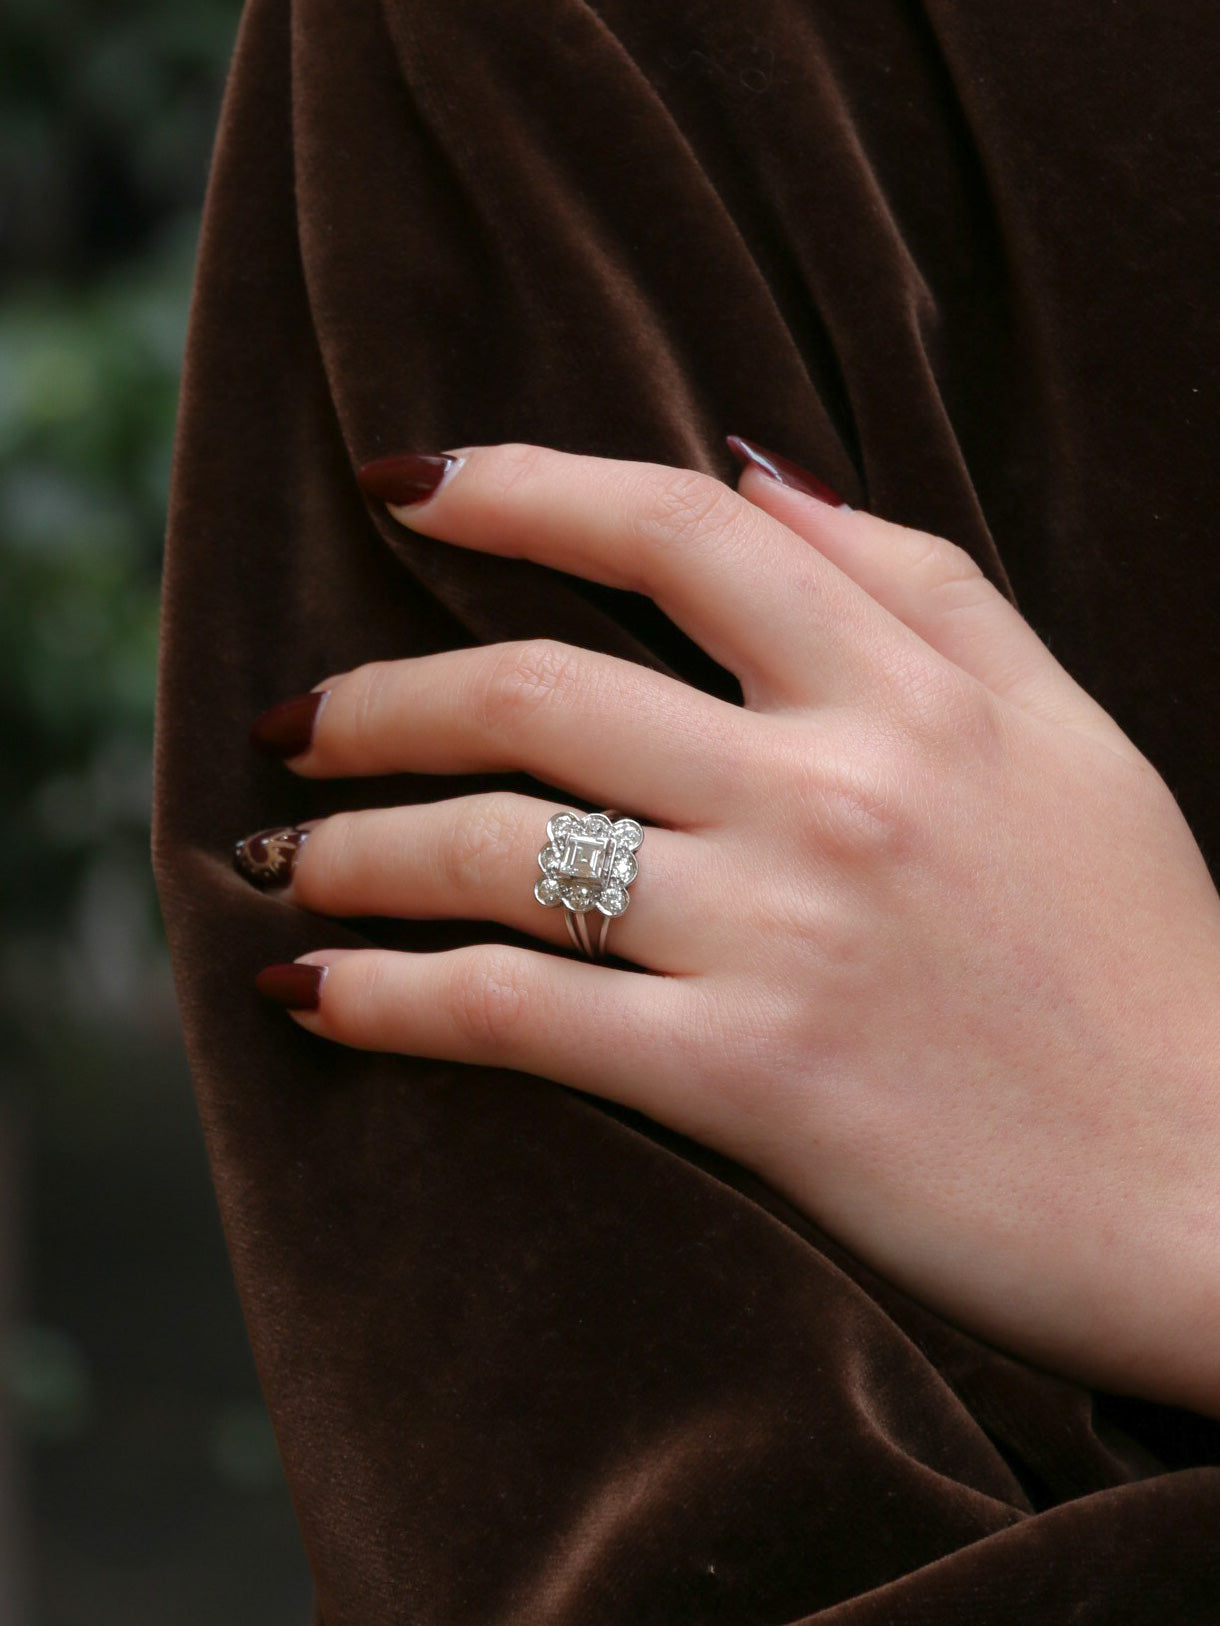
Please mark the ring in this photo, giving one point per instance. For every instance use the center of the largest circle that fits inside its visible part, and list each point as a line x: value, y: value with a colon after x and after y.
x: 587, y: 865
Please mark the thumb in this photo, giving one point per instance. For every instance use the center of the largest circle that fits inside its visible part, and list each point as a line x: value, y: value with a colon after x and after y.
x: 932, y: 586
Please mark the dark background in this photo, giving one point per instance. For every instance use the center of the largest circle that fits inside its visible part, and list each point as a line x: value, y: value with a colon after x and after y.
x: 139, y: 1480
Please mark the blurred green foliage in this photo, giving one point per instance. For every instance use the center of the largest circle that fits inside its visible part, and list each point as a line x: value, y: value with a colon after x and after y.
x: 107, y: 116
x: 107, y: 112
x: 151, y: 1475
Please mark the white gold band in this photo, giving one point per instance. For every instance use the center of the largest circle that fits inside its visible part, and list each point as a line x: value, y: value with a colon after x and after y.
x: 578, y: 931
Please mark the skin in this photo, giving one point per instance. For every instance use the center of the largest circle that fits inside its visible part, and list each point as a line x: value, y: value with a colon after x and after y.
x: 918, y: 935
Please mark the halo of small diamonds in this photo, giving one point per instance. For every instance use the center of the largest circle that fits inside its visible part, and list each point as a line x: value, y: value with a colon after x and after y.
x: 588, y: 863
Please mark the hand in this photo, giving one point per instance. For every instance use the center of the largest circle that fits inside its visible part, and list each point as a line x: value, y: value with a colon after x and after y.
x: 932, y: 948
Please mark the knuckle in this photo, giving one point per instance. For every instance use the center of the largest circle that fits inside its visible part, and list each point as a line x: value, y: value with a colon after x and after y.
x: 947, y: 582
x: 977, y: 716
x: 959, y: 594
x: 479, y: 847
x: 875, y: 797
x: 488, y: 1001
x: 948, y: 712
x: 690, y: 506
x: 354, y: 1003
x: 323, y: 872
x: 521, y: 678
x: 944, y: 565
x: 511, y: 464
x: 368, y: 708
x: 854, y: 806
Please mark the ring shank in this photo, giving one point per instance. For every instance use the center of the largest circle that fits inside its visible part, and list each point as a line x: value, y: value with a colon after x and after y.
x: 578, y: 931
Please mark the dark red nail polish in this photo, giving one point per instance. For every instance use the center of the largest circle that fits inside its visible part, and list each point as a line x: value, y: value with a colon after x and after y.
x: 297, y: 987
x: 782, y: 469
x: 268, y: 857
x: 286, y: 729
x: 408, y: 478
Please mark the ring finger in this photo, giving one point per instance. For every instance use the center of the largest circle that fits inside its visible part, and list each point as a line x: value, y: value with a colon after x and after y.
x: 476, y: 858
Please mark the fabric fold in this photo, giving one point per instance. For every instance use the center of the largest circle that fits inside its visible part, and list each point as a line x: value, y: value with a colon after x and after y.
x: 530, y: 1357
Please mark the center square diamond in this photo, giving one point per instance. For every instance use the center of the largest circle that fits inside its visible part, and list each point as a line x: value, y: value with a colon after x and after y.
x: 587, y: 858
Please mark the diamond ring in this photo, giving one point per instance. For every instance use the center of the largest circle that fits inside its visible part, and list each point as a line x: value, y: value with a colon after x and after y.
x: 587, y: 865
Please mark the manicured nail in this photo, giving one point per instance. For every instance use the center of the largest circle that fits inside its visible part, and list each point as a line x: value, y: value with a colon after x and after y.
x: 298, y: 987
x: 411, y: 477
x: 286, y: 729
x: 268, y: 857
x: 783, y: 469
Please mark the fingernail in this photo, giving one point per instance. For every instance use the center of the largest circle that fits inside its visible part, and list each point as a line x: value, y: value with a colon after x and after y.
x: 411, y: 477
x: 268, y: 857
x: 297, y: 987
x: 783, y: 469
x: 286, y: 729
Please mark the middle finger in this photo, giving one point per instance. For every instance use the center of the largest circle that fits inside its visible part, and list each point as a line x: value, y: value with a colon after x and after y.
x: 603, y: 728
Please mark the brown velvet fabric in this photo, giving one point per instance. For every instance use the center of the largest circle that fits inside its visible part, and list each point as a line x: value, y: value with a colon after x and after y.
x: 530, y: 1357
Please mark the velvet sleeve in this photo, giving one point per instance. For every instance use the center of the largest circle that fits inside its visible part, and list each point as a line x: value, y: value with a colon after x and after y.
x: 529, y: 1356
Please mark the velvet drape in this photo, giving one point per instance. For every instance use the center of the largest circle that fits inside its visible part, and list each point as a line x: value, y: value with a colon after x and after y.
x: 531, y: 1359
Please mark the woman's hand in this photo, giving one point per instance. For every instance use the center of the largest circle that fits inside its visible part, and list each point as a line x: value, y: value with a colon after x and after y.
x: 933, y: 948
